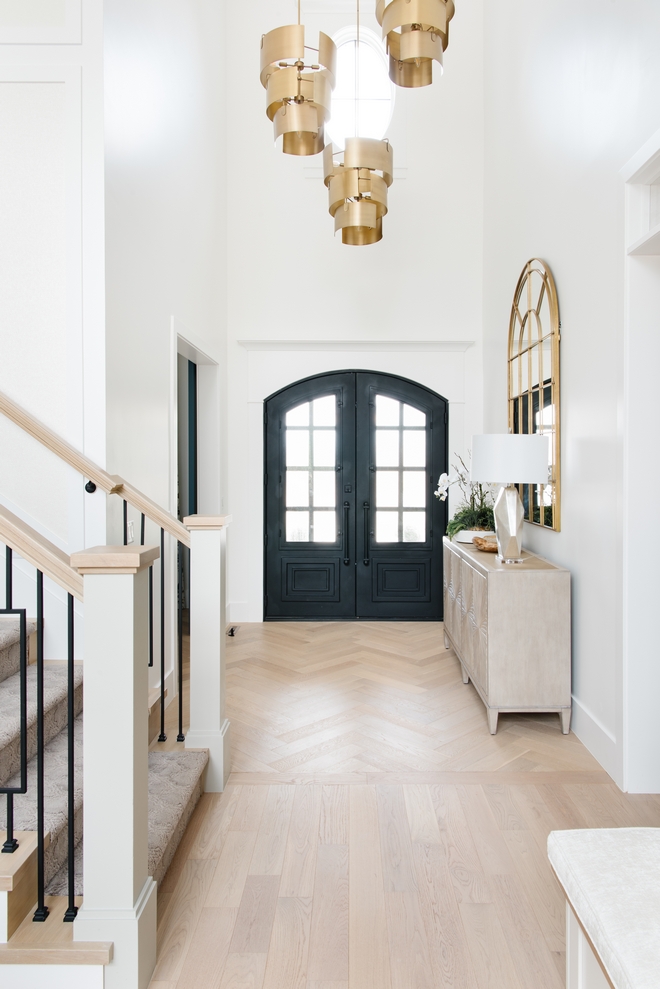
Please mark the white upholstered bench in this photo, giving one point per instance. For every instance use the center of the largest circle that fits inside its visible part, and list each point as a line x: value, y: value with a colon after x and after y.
x: 611, y: 879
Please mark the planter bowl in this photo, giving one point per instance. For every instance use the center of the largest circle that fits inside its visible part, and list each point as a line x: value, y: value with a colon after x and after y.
x: 467, y: 535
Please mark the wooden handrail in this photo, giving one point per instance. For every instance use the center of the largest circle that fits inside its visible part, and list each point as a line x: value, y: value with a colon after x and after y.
x: 40, y: 552
x: 111, y: 484
x: 57, y: 445
x: 152, y: 510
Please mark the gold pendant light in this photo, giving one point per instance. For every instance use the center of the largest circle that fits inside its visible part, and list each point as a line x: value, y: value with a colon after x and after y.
x: 298, y: 95
x: 358, y: 187
x: 417, y: 33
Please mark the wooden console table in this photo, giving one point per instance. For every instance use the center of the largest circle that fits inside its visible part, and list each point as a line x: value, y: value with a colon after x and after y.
x: 510, y: 626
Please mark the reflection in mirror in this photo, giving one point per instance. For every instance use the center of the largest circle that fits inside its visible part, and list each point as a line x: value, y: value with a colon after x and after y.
x: 534, y: 382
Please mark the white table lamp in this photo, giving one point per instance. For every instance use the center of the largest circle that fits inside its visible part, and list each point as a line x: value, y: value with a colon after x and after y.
x: 509, y: 459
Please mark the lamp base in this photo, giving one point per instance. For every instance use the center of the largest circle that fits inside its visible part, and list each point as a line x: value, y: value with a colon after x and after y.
x: 509, y: 517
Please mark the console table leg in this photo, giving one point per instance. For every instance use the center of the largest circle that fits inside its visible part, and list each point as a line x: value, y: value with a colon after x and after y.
x: 565, y: 716
x: 466, y: 678
x: 492, y: 720
x: 447, y: 642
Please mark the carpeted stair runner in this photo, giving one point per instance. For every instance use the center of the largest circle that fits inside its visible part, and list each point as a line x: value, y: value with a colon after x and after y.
x: 10, y: 644
x: 55, y: 802
x: 55, y: 712
x: 175, y: 786
x: 175, y: 778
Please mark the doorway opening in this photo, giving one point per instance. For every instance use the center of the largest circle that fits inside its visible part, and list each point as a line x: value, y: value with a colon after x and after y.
x: 187, y: 459
x: 352, y: 529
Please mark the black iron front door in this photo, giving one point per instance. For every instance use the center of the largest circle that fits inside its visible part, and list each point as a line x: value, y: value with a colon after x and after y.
x: 352, y: 527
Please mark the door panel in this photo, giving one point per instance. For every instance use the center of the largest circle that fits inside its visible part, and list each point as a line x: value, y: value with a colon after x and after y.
x: 352, y: 527
x: 310, y: 460
x: 401, y: 447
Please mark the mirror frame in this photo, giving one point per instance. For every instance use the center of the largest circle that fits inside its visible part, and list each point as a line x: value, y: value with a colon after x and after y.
x: 527, y: 334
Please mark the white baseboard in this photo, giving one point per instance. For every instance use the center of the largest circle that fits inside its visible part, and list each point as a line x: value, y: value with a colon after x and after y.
x: 599, y: 740
x: 217, y: 742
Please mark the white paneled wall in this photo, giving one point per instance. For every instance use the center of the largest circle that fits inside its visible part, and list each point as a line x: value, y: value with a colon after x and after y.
x: 51, y: 303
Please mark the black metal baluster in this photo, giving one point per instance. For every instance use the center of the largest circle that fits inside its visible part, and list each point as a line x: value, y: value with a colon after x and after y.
x: 72, y: 909
x: 125, y: 523
x: 11, y: 844
x: 180, y: 737
x: 143, y: 523
x: 42, y: 910
x: 9, y: 577
x: 151, y: 615
x: 162, y: 737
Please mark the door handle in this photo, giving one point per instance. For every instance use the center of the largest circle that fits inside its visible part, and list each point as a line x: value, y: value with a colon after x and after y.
x: 347, y: 506
x: 365, y: 506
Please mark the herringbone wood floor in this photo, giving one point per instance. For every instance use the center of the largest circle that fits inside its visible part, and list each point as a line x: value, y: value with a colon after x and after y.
x: 373, y: 835
x: 359, y: 700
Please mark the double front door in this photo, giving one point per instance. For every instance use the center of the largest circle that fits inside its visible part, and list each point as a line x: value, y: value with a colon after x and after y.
x: 352, y: 527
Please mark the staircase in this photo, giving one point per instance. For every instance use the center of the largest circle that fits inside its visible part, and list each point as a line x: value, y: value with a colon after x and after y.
x: 175, y: 778
x: 88, y: 921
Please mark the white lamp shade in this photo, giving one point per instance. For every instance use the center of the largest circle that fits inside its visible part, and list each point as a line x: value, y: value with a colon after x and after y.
x: 508, y: 458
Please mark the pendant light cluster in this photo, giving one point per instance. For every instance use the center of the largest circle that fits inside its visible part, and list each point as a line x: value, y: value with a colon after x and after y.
x: 416, y: 33
x: 298, y: 102
x: 298, y: 95
x: 357, y: 189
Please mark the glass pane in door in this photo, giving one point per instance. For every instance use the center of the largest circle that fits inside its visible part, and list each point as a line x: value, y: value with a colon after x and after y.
x: 400, y: 443
x: 311, y: 442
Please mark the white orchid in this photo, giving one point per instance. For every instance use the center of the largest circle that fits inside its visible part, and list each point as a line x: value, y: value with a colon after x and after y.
x: 444, y: 484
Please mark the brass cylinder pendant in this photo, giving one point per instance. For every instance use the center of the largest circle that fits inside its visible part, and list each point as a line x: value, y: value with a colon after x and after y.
x: 357, y: 189
x: 298, y: 94
x: 416, y: 33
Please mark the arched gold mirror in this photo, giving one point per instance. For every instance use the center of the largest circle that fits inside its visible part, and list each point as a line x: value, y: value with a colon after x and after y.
x: 534, y: 382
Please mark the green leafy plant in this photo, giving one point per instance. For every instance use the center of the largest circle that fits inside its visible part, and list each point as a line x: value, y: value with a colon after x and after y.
x: 476, y: 511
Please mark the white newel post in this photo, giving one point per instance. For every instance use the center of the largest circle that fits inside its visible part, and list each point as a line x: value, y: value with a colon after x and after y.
x: 209, y: 728
x: 119, y: 897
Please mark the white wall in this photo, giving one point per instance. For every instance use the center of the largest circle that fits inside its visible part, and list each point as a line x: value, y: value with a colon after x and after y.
x: 572, y: 92
x: 51, y: 303
x: 301, y: 303
x: 165, y: 205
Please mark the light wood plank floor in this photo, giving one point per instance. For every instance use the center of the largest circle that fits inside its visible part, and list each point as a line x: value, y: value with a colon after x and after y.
x: 373, y: 834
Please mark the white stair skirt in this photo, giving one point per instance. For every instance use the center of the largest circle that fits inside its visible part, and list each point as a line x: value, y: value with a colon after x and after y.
x: 51, y: 976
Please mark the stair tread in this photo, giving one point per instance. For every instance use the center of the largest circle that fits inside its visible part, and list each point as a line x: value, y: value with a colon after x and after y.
x: 10, y: 636
x: 55, y: 693
x: 10, y: 630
